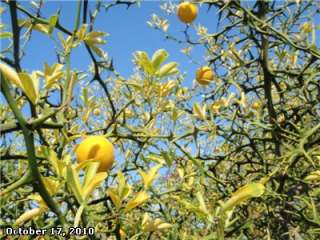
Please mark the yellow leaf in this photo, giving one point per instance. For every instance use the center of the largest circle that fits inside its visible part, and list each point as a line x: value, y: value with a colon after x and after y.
x: 30, y: 86
x: 150, y: 225
x: 10, y: 74
x: 164, y: 225
x: 149, y: 177
x: 74, y: 182
x: 52, y: 74
x: 123, y: 187
x: 36, y: 197
x: 44, y: 28
x: 51, y: 185
x: 57, y: 164
x: 143, y: 61
x: 243, y: 100
x: 314, y: 176
x: 113, y: 194
x: 86, y: 163
x: 81, y: 33
x: 96, y: 181
x: 306, y: 27
x: 244, y: 193
x: 158, y: 58
x: 140, y: 198
x: 199, y: 112
x: 168, y: 69
x: 202, y: 205
x: 31, y: 214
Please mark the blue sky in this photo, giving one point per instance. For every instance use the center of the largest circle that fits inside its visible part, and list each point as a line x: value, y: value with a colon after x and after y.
x: 128, y: 31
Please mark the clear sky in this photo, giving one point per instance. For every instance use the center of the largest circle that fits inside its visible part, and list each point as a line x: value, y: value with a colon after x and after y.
x: 128, y: 31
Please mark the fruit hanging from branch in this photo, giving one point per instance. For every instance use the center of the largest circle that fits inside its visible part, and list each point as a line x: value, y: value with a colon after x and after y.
x: 204, y: 75
x: 98, y: 148
x: 187, y: 12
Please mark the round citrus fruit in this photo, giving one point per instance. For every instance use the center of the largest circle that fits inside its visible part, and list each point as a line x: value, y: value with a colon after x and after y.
x: 187, y: 12
x: 256, y: 105
x: 204, y: 75
x: 96, y: 112
x: 98, y: 148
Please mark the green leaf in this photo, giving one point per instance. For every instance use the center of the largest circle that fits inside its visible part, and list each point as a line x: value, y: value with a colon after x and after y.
x: 123, y: 187
x: 138, y: 200
x: 168, y: 70
x: 158, y: 58
x: 149, y: 177
x: 113, y: 194
x: 155, y: 158
x: 202, y: 205
x: 143, y: 61
x: 313, y: 176
x: 199, y: 111
x: 78, y: 215
x: 193, y: 208
x: 90, y: 172
x: 52, y: 22
x: 95, y: 182
x: 10, y: 74
x: 28, y: 215
x: 30, y: 86
x: 244, y: 193
x: 5, y: 35
x: 167, y: 157
x: 52, y: 74
x: 74, y: 183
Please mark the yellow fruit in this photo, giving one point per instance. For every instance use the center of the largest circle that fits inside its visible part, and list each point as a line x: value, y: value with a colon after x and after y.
x: 96, y: 147
x: 256, y: 105
x: 204, y: 75
x: 187, y: 12
x: 96, y: 112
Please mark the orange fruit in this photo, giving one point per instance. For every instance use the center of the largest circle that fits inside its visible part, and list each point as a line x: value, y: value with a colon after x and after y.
x: 187, y: 12
x: 96, y: 112
x: 256, y: 105
x: 98, y: 148
x: 204, y: 75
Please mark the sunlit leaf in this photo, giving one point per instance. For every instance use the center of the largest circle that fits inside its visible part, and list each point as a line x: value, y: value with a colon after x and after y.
x: 74, y: 183
x: 123, y: 187
x: 28, y: 215
x: 199, y: 111
x: 96, y: 181
x: 202, y: 204
x: 30, y: 85
x: 152, y: 225
x: 168, y: 70
x: 5, y: 35
x: 11, y: 75
x: 113, y: 194
x: 52, y: 74
x: 244, y: 193
x: 149, y: 177
x: 52, y: 185
x: 314, y: 176
x: 138, y: 200
x: 158, y: 58
x: 143, y: 61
